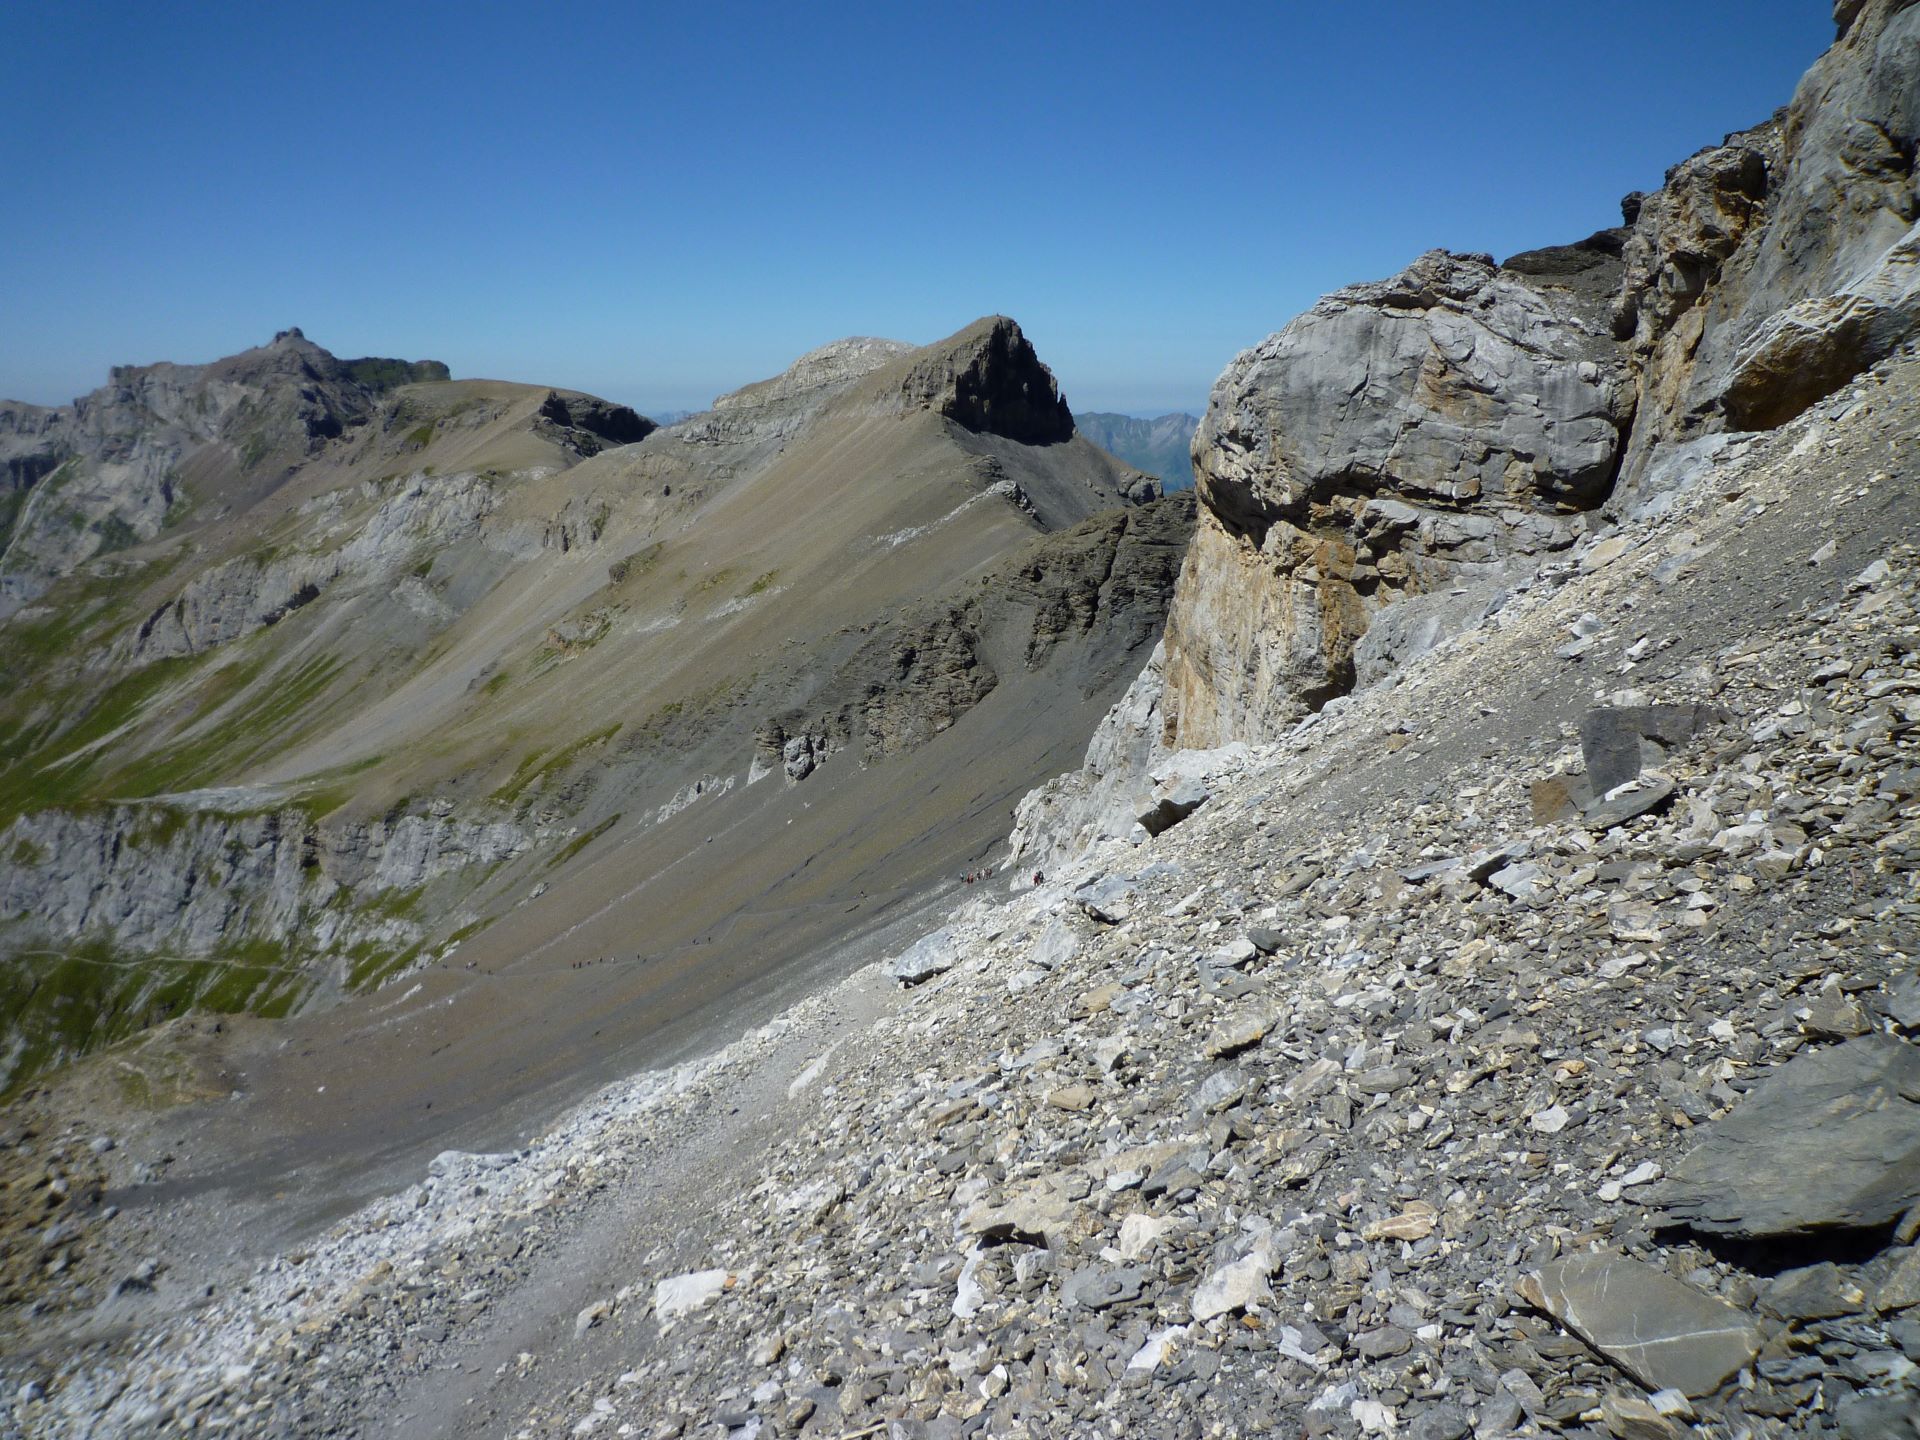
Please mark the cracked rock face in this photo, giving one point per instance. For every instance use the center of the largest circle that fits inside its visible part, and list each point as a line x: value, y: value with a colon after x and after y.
x: 1770, y: 270
x: 1397, y: 440
x: 1451, y: 383
x: 106, y: 471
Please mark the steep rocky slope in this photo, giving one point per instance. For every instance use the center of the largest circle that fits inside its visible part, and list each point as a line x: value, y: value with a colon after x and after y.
x: 1340, y: 1107
x: 1383, y: 472
x: 1504, y: 1026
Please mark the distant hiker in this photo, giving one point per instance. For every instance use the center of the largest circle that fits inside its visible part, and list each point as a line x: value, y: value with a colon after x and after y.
x: 1038, y: 877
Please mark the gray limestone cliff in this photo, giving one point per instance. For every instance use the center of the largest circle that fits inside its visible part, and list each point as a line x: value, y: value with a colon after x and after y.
x: 1398, y: 442
x: 1373, y: 475
x: 1772, y: 268
x: 1376, y: 477
x: 154, y: 909
x: 110, y: 469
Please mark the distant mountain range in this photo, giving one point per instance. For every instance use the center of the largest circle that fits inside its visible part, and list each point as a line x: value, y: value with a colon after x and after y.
x: 398, y: 659
x: 1159, y: 446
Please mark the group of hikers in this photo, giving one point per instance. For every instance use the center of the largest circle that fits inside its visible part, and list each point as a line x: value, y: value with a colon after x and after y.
x: 974, y: 877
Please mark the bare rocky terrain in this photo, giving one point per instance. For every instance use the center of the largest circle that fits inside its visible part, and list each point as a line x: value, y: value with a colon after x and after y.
x: 1468, y: 986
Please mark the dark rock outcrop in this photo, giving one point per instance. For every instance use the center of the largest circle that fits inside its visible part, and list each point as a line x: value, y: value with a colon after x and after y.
x: 595, y: 423
x: 1830, y: 1141
x: 986, y: 378
x: 1097, y: 592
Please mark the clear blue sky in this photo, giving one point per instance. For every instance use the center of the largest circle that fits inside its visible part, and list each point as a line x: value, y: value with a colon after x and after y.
x: 660, y: 202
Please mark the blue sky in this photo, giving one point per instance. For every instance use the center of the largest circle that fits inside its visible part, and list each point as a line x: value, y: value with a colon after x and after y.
x: 659, y: 202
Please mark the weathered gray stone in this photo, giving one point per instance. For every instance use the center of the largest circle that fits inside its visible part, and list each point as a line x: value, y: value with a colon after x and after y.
x: 1765, y: 273
x: 1235, y: 1286
x: 680, y: 1295
x: 1830, y: 1141
x: 1659, y: 1330
x: 1096, y: 1287
x: 930, y: 955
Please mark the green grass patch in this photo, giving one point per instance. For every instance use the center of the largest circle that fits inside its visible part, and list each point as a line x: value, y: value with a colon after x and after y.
x: 55, y: 774
x: 41, y: 761
x: 580, y: 842
x: 87, y: 995
x: 115, y: 534
x: 539, y: 766
x: 333, y: 792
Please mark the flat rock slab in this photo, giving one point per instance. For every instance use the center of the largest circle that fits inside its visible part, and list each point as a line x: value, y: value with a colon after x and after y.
x: 1830, y: 1141
x: 930, y: 955
x: 1617, y: 741
x: 1095, y: 1288
x: 1661, y: 1331
x: 1649, y: 792
x: 681, y: 1295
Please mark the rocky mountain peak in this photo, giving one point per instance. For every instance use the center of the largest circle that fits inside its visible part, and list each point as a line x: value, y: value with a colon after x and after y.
x: 987, y: 378
x: 115, y: 458
x: 826, y: 370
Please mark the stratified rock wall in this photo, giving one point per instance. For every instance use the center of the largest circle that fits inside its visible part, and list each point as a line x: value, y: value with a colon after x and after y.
x: 151, y: 879
x: 1410, y: 448
x: 1399, y: 439
x: 1773, y: 268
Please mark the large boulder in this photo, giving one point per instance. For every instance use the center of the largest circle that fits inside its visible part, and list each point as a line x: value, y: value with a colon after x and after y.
x: 1831, y: 1141
x: 1400, y: 438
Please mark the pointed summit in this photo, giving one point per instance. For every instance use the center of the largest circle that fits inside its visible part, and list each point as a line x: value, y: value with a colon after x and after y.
x: 985, y: 378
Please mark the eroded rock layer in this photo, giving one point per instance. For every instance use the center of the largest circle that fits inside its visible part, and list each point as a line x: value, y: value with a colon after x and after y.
x: 1376, y: 474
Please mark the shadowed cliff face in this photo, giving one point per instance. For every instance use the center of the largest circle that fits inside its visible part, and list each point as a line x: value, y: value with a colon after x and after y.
x: 986, y: 378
